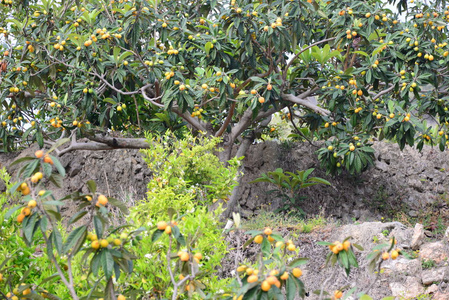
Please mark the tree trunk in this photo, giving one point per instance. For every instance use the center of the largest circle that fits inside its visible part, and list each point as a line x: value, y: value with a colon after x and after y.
x: 232, y: 203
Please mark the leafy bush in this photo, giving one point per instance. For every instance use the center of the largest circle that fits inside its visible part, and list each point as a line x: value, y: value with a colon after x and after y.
x: 288, y: 185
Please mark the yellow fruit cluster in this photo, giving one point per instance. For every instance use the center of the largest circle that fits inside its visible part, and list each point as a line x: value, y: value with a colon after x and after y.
x: 336, y: 247
x: 104, y: 243
x: 271, y: 278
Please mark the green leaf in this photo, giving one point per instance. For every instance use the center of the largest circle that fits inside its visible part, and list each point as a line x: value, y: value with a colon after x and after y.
x: 365, y: 297
x: 74, y: 237
x: 207, y: 47
x: 107, y: 262
x: 98, y: 227
x: 57, y: 144
x: 291, y: 288
x: 156, y: 235
x: 29, y: 227
x: 20, y: 160
x: 92, y: 186
x: 77, y: 216
x: 30, y: 168
x: 11, y: 212
x: 119, y: 204
x: 58, y: 165
x: 178, y: 236
x: 56, y: 179
x: 299, y: 262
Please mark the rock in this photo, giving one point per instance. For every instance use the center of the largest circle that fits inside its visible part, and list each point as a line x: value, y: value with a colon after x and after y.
x: 440, y: 296
x: 436, y: 251
x: 446, y: 233
x: 75, y: 169
x: 413, y: 213
x: 380, y: 165
x: 418, y: 236
x: 434, y: 275
x: 363, y: 234
x: 432, y: 289
x: 411, y: 288
x: 407, y: 266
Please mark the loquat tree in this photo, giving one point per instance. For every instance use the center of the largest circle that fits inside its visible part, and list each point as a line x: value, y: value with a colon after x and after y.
x: 349, y: 71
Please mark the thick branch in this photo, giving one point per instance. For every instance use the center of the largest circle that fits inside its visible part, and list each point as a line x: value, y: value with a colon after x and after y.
x: 191, y: 120
x: 304, y: 102
x: 384, y: 92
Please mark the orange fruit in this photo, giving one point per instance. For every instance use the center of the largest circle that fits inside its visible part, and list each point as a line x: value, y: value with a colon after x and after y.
x: 394, y: 254
x: 268, y: 231
x: 102, y: 200
x: 121, y: 297
x: 168, y: 230
x: 184, y: 256
x: 297, y: 272
x: 252, y: 278
x: 271, y: 280
x: 338, y: 294
x: 26, y: 191
x: 48, y: 159
x: 258, y: 239
x: 284, y: 276
x: 26, y: 211
x: 32, y: 203
x: 39, y: 153
x: 161, y: 225
x: 20, y: 218
x: 117, y: 242
x: 385, y: 256
x: 269, y: 87
x: 95, y: 244
x: 346, y: 245
x: 265, y: 286
x: 104, y: 243
x: 198, y: 256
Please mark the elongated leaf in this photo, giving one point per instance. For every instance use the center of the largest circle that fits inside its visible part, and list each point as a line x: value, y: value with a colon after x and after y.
x: 77, y: 216
x: 57, y: 144
x: 12, y: 211
x: 29, y: 227
x: 291, y: 288
x: 98, y: 227
x: 92, y: 186
x: 156, y: 235
x: 18, y: 161
x: 119, y: 204
x: 30, y: 168
x: 74, y: 237
x: 49, y: 278
x: 299, y: 262
x: 58, y: 165
x: 107, y: 262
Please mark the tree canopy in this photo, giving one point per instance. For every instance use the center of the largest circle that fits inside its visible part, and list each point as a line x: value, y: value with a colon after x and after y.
x: 349, y: 71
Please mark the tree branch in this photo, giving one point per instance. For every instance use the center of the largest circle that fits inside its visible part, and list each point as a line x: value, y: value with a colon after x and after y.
x: 304, y: 102
x: 384, y: 92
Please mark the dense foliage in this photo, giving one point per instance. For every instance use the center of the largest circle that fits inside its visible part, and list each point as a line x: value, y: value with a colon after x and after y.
x: 348, y: 70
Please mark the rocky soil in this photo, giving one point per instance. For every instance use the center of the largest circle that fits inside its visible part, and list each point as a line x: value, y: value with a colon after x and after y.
x: 409, y: 181
x: 407, y: 186
x: 425, y: 276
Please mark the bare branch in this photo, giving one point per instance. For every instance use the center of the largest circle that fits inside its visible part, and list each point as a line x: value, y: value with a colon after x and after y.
x: 304, y: 102
x: 384, y: 92
x: 189, y: 119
